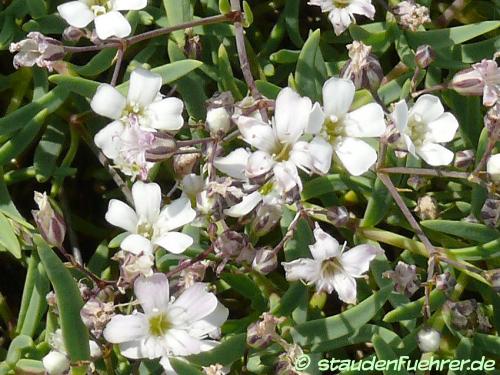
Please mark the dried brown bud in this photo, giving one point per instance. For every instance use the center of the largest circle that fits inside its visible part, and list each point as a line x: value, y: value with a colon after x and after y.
x: 193, y: 47
x: 464, y: 159
x: 492, y: 121
x: 286, y: 361
x: 427, y: 208
x: 184, y: 163
x: 265, y: 260
x: 363, y: 68
x: 490, y: 213
x: 494, y: 277
x: 445, y: 282
x: 261, y: 333
x: 424, y: 56
x: 50, y: 223
x: 411, y: 15
x: 405, y: 278
x: 267, y: 216
x: 96, y: 314
x: 72, y: 34
x: 417, y: 182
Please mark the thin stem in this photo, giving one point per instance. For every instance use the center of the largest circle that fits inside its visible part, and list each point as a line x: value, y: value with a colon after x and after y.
x: 439, y: 87
x: 243, y: 57
x: 192, y: 142
x: 189, y: 263
x: 424, y: 172
x: 116, y: 72
x: 290, y: 232
x: 489, y: 148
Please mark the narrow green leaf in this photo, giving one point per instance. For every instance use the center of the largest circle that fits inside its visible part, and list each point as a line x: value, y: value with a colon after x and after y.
x: 37, y: 304
x: 8, y: 238
x: 384, y: 352
x: 311, y: 69
x: 69, y: 301
x: 48, y: 150
x: 413, y: 309
x: 321, y: 330
x: 227, y: 352
x: 469, y: 231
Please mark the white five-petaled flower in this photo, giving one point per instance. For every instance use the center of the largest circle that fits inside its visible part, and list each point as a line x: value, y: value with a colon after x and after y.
x: 157, y: 226
x: 167, y: 327
x: 331, y: 268
x: 108, y: 20
x: 279, y: 146
x: 424, y: 126
x: 493, y: 168
x: 343, y: 129
x: 341, y: 12
x: 136, y: 118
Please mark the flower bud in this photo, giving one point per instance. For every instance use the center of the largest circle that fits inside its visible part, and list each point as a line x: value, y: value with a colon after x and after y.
x: 410, y: 15
x: 490, y: 212
x: 428, y: 340
x: 55, y: 363
x: 468, y: 82
x: 193, y: 274
x: 405, y: 278
x: 417, y: 182
x: 218, y: 121
x: 286, y: 361
x: 363, y: 68
x: 192, y: 184
x: 265, y: 260
x: 424, y: 56
x: 494, y: 278
x: 338, y: 216
x: 37, y: 49
x: 464, y: 159
x: 231, y: 244
x: 261, y: 333
x: 50, y: 224
x: 193, y: 47
x: 492, y: 121
x: 427, y: 208
x: 184, y: 163
x: 163, y: 147
x: 72, y: 34
x: 96, y: 314
x: 493, y: 168
x: 445, y: 282
x: 267, y: 216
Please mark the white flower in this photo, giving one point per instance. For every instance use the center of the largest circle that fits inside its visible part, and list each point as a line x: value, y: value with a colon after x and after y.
x: 218, y: 121
x: 279, y: 146
x: 428, y: 340
x: 341, y: 12
x: 105, y: 14
x: 343, y: 129
x: 55, y: 363
x: 148, y: 221
x: 167, y: 328
x: 493, y: 168
x: 331, y: 268
x: 424, y: 126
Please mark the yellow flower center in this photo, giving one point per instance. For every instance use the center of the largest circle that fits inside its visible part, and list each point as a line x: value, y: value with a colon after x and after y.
x: 416, y: 129
x: 341, y: 3
x: 334, y: 128
x: 145, y: 229
x: 100, y: 7
x: 330, y: 267
x: 159, y: 324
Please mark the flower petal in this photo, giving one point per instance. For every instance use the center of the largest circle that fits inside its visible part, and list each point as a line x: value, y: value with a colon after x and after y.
x: 400, y: 115
x: 338, y: 95
x: 248, y: 203
x: 321, y: 152
x: 435, y: 154
x: 112, y: 24
x: 257, y: 133
x: 304, y: 269
x: 428, y: 108
x: 287, y: 176
x: 211, y: 322
x: 121, y: 215
x: 316, y: 119
x: 137, y: 244
x: 76, y: 13
x: 123, y: 328
x: 362, y: 7
x: 259, y: 163
x: 144, y: 87
x: 152, y: 292
x: 176, y: 214
x: 356, y: 261
x: 129, y: 4
x: 442, y: 129
x: 174, y: 242
x: 325, y: 246
x: 233, y: 164
x: 367, y: 121
x: 291, y: 115
x: 147, y: 200
x: 166, y: 114
x: 193, y: 304
x: 108, y: 139
x: 356, y: 155
x: 108, y: 102
x: 345, y: 286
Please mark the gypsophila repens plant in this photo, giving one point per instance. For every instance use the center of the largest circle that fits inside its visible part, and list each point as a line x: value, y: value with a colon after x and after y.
x: 224, y: 187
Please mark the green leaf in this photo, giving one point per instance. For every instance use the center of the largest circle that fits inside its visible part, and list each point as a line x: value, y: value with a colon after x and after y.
x: 30, y: 366
x: 321, y: 330
x: 18, y: 119
x: 378, y: 205
x: 69, y: 301
x: 291, y: 13
x: 468, y: 113
x: 183, y: 367
x: 413, y: 309
x: 227, y: 352
x: 48, y: 150
x: 245, y: 286
x: 16, y: 346
x: 99, y: 63
x: 37, y: 303
x: 319, y: 186
x: 484, y: 251
x: 451, y: 36
x: 470, y: 231
x: 227, y: 80
x: 8, y: 238
x: 311, y: 69
x: 178, y: 11
x: 384, y: 352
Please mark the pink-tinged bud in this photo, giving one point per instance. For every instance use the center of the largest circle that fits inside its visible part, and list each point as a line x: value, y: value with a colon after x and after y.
x: 490, y: 212
x: 261, y: 333
x: 338, y: 216
x: 468, y: 82
x: 417, y: 182
x: 72, y: 34
x: 464, y: 159
x: 96, y: 314
x: 363, y: 68
x: 445, y: 282
x: 50, y: 224
x: 267, y: 216
x: 162, y: 147
x: 265, y: 260
x: 37, y: 49
x: 424, y: 56
x: 405, y: 278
